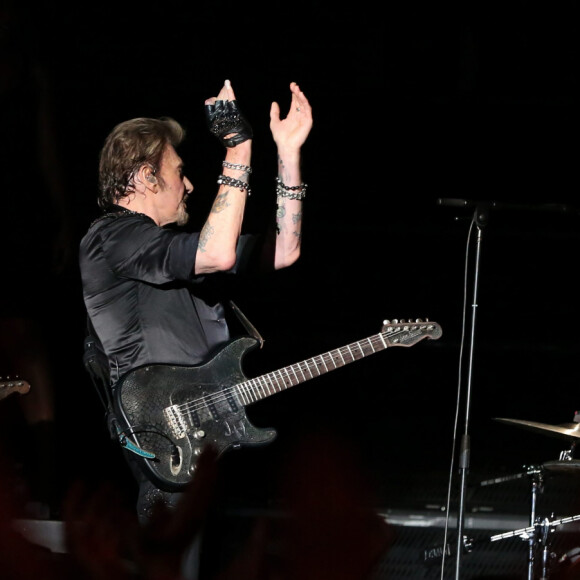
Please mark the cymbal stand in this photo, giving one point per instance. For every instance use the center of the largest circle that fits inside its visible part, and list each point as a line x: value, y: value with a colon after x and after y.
x: 546, y: 529
x: 537, y: 477
x: 537, y: 487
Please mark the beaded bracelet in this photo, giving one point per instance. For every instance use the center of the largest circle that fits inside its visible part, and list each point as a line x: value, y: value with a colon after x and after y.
x: 237, y: 183
x: 239, y: 166
x: 291, y: 191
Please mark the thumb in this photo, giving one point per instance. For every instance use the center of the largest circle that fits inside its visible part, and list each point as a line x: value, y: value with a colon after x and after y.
x: 275, y: 112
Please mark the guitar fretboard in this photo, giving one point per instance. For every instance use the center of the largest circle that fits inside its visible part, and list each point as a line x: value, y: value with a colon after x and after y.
x: 269, y: 384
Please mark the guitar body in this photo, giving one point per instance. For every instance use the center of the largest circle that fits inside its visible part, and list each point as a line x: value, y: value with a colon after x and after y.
x: 207, y: 411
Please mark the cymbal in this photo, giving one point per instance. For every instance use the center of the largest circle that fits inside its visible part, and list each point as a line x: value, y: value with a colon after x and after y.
x: 570, y: 466
x: 564, y: 430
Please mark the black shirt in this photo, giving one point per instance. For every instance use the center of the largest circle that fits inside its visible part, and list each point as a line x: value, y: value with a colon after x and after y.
x: 141, y: 294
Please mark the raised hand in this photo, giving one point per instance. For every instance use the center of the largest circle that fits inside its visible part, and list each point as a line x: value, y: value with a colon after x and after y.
x: 224, y: 118
x: 291, y: 132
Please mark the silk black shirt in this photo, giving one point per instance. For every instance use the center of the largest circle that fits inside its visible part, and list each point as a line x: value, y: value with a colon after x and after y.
x: 141, y: 294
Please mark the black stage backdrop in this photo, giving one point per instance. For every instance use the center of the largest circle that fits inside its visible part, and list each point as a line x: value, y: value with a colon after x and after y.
x: 411, y: 106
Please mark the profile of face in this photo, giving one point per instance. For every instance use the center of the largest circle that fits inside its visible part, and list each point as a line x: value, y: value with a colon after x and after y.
x: 173, y: 189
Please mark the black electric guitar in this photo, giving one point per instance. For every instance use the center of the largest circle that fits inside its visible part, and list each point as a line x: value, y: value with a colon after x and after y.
x: 167, y: 413
x: 10, y: 386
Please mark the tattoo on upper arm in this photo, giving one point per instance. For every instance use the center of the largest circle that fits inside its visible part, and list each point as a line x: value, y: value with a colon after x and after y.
x: 221, y: 202
x: 206, y: 233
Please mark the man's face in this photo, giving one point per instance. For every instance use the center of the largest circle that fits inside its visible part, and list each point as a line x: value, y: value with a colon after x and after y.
x: 174, y: 188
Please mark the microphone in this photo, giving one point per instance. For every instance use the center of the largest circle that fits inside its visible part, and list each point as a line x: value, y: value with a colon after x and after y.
x: 472, y: 204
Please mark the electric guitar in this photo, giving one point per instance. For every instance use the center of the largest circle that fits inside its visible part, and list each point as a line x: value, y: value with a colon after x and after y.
x: 10, y: 386
x: 167, y: 413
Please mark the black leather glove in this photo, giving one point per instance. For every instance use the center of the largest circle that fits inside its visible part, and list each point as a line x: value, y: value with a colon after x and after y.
x: 224, y: 118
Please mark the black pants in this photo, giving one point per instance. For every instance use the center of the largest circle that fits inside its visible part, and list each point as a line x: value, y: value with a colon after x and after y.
x: 148, y: 496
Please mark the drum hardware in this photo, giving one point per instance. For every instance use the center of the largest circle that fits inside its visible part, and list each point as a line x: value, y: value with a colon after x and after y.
x: 533, y: 541
x: 565, y: 466
x: 536, y: 473
x: 530, y: 471
x: 538, y: 533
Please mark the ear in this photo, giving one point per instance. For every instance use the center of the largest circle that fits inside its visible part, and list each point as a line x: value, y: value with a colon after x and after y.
x: 147, y: 175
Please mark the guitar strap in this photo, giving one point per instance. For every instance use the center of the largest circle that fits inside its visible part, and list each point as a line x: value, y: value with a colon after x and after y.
x: 96, y: 364
x: 246, y: 323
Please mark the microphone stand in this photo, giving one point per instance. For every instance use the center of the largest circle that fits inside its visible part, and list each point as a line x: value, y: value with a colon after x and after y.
x: 481, y: 216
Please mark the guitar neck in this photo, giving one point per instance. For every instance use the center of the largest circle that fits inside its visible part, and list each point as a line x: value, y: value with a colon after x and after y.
x: 275, y: 382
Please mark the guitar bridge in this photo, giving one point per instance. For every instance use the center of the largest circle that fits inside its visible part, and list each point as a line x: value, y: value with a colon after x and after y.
x: 175, y: 421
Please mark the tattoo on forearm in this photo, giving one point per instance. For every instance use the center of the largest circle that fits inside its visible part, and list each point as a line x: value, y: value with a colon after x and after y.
x: 280, y: 213
x: 282, y: 172
x: 221, y: 202
x: 280, y: 166
x: 297, y: 220
x: 205, y: 234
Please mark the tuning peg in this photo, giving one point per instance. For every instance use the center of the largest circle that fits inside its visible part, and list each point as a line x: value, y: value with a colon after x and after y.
x: 386, y: 321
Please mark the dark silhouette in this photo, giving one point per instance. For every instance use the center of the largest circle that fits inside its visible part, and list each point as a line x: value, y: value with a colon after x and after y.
x: 36, y: 248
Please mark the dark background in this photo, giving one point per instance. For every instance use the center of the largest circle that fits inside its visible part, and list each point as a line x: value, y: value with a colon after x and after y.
x: 411, y: 105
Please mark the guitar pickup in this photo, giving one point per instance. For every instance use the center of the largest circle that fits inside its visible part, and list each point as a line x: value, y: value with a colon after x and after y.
x: 175, y: 421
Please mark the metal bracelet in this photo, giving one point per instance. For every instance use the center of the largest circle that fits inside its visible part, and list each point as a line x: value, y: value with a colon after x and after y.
x: 291, y: 191
x: 237, y: 183
x: 239, y: 166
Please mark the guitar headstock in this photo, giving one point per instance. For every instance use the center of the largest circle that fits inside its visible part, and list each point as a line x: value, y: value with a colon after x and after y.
x: 16, y: 385
x: 409, y: 332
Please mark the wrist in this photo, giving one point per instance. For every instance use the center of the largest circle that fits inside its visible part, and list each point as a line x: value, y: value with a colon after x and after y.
x: 240, y: 154
x: 289, y: 156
